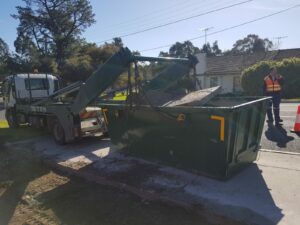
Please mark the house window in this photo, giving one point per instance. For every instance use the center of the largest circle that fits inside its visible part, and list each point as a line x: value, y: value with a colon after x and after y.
x: 214, y: 81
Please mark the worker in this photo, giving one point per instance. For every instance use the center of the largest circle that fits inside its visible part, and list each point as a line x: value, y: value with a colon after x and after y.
x: 273, y: 87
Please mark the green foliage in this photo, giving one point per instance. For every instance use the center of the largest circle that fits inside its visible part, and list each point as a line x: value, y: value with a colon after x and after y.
x: 253, y: 77
x: 187, y: 48
x: 117, y: 41
x: 181, y: 50
x: 211, y: 50
x: 251, y: 43
x: 77, y: 68
x: 4, y: 51
x: 89, y: 57
x: 51, y: 26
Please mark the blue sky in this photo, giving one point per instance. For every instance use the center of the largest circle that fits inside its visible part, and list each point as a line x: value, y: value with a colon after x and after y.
x: 115, y: 18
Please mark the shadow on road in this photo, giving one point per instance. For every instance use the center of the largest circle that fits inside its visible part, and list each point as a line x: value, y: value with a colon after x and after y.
x: 278, y: 134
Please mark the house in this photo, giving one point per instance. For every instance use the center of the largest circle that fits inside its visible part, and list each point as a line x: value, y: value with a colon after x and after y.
x: 226, y: 70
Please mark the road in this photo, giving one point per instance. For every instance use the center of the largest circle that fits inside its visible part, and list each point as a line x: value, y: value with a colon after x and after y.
x: 281, y: 139
x: 272, y: 138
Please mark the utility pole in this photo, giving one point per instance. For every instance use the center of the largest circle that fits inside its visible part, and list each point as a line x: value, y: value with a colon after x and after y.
x: 205, y: 32
x: 279, y: 39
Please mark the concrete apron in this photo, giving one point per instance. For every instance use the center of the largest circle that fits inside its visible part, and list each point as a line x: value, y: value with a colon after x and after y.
x: 265, y: 193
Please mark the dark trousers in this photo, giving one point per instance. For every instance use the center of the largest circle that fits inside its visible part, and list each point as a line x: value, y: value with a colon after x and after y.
x: 275, y: 104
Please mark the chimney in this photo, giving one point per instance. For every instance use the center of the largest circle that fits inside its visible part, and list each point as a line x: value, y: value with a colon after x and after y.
x: 201, y: 65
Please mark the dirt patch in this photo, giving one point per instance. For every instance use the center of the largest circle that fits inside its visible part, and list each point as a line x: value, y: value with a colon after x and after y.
x: 30, y: 193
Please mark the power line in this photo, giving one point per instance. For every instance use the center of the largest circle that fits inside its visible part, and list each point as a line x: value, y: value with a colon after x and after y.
x: 136, y: 24
x: 228, y: 28
x: 150, y: 14
x: 174, y: 22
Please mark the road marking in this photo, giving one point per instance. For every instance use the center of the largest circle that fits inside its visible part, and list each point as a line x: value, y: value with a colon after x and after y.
x: 280, y: 152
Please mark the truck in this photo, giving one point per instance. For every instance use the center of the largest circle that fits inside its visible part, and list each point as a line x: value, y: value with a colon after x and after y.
x: 38, y: 99
x: 22, y: 96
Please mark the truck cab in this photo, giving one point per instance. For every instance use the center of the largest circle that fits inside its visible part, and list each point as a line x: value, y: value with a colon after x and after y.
x: 28, y: 88
x: 22, y: 97
x: 20, y: 89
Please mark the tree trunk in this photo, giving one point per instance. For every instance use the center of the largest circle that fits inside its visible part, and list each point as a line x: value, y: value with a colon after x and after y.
x: 60, y: 55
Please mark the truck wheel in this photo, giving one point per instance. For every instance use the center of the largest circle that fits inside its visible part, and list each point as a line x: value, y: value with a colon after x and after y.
x: 11, y: 118
x: 58, y: 133
x: 105, y: 134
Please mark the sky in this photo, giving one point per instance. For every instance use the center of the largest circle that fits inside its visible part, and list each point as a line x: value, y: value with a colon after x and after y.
x: 118, y: 18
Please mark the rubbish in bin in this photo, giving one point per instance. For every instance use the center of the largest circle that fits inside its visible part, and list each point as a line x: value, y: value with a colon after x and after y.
x: 196, y: 98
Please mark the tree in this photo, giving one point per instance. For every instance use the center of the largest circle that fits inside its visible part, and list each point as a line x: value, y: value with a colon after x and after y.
x: 206, y: 49
x: 211, y: 50
x: 87, y: 60
x: 4, y: 51
x: 4, y: 55
x: 136, y: 53
x: 251, y: 43
x: 187, y: 48
x: 215, y: 48
x: 181, y: 50
x: 117, y: 41
x: 52, y: 25
x: 163, y: 54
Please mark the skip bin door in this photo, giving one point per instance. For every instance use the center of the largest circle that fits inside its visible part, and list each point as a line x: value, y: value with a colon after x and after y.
x: 248, y: 134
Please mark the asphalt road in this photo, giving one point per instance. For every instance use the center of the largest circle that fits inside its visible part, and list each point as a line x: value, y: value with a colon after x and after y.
x: 281, y: 139
x: 273, y: 138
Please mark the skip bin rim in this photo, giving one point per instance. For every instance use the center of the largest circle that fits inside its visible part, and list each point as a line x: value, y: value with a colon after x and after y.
x: 255, y: 100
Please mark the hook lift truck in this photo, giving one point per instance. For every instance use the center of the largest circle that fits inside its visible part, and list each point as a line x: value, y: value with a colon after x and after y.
x: 37, y: 100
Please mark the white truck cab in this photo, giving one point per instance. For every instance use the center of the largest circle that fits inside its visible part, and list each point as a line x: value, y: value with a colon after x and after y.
x: 21, y: 93
x: 28, y: 88
x: 20, y: 89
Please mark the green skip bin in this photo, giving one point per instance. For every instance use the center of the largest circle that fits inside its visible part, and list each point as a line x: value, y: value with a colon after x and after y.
x: 217, y: 139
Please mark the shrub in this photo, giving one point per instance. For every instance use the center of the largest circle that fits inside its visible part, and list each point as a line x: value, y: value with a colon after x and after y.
x: 253, y: 77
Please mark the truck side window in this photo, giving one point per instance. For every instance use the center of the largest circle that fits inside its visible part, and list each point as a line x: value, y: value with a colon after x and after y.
x: 36, y: 84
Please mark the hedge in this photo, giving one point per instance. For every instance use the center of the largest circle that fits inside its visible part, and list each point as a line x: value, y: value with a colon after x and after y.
x: 253, y: 77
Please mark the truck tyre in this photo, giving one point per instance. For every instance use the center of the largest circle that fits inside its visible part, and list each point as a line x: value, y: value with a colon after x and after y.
x: 58, y: 133
x: 11, y: 117
x: 105, y: 134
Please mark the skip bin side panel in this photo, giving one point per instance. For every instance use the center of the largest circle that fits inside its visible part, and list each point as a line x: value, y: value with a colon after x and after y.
x: 190, y: 137
x: 193, y: 143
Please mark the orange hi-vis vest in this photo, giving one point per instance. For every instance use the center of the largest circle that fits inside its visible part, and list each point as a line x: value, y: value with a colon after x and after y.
x: 272, y: 86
